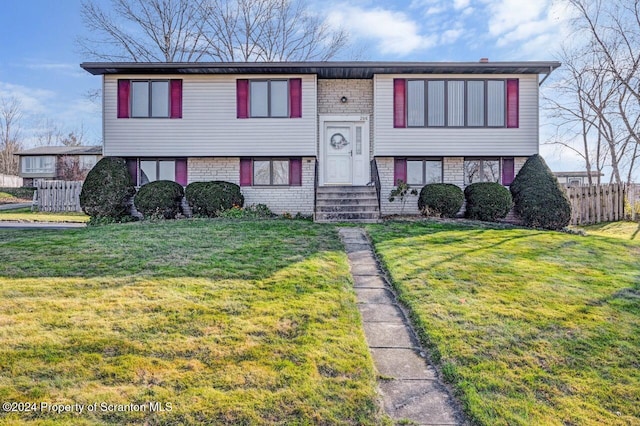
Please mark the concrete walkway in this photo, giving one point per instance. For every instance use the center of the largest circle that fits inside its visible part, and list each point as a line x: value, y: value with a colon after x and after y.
x: 408, y: 384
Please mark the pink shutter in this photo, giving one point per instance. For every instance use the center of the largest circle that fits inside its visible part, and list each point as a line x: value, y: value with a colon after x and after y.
x: 123, y: 98
x: 399, y: 170
x: 507, y: 171
x: 246, y: 172
x: 132, y: 166
x: 295, y: 172
x: 176, y: 98
x: 512, y: 103
x: 399, y: 103
x: 242, y: 98
x: 181, y: 171
x: 295, y: 97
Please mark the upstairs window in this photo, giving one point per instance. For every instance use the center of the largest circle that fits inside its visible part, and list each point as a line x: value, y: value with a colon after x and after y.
x: 149, y: 98
x: 277, y: 98
x: 455, y: 103
x: 39, y: 164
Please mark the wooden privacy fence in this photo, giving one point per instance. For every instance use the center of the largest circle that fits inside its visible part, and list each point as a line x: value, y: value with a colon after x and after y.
x: 59, y: 196
x: 597, y: 203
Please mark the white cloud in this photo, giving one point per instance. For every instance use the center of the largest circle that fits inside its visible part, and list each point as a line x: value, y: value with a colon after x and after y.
x: 460, y: 4
x: 393, y: 32
x: 31, y: 100
x: 451, y: 36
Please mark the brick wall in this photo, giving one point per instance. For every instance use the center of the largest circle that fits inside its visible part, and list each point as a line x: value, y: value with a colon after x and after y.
x: 359, y: 95
x: 290, y: 199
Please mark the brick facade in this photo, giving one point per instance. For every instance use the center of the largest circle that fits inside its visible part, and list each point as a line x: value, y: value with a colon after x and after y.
x: 453, y: 172
x: 289, y: 199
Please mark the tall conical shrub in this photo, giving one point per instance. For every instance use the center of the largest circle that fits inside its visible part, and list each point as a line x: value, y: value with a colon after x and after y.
x: 107, y: 189
x: 539, y: 200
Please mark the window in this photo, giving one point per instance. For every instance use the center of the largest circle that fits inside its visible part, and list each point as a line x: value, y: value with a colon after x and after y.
x: 418, y: 171
x: 145, y: 170
x: 39, y: 164
x: 271, y: 172
x: 422, y: 172
x: 269, y: 98
x: 455, y: 103
x: 149, y: 98
x: 87, y: 161
x: 481, y: 170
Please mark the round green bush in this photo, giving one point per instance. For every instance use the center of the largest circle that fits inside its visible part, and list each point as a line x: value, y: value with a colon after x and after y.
x: 487, y: 201
x: 211, y: 198
x: 107, y: 190
x: 440, y: 199
x: 161, y: 198
x: 539, y: 199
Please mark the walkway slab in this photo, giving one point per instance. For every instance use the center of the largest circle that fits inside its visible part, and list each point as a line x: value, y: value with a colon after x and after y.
x: 423, y: 401
x: 408, y: 383
x: 380, y: 313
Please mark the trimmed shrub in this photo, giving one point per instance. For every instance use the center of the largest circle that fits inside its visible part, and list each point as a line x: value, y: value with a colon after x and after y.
x: 211, y: 198
x: 107, y: 189
x: 440, y: 199
x: 539, y: 200
x: 487, y: 201
x: 159, y: 199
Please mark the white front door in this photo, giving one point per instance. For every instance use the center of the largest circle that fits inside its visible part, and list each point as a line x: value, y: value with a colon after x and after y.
x: 344, y: 150
x: 339, y: 152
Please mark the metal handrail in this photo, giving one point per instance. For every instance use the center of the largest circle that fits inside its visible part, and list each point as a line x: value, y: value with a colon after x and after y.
x: 375, y: 178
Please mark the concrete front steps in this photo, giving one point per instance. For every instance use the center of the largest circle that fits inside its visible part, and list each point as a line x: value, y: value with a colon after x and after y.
x: 347, y: 204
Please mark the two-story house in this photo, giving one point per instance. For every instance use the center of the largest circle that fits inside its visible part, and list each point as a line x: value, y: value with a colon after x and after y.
x: 330, y: 138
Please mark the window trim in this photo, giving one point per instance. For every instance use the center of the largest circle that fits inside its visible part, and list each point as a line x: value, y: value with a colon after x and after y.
x: 150, y: 98
x: 499, y: 159
x: 269, y: 80
x: 138, y: 168
x: 465, y: 103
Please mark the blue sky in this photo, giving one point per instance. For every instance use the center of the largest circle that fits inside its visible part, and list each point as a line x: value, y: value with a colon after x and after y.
x: 39, y: 59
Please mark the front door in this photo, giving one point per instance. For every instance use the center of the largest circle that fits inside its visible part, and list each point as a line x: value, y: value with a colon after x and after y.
x: 339, y: 154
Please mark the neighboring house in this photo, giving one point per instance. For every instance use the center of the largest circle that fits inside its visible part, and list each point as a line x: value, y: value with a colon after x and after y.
x: 281, y: 130
x: 576, y: 178
x: 57, y: 162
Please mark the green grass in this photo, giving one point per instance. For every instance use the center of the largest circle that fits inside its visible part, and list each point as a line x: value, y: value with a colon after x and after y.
x: 16, y: 194
x: 624, y: 230
x: 229, y: 322
x: 531, y: 327
x: 26, y: 215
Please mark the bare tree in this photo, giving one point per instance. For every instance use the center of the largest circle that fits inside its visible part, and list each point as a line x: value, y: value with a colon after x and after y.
x: 208, y: 30
x: 596, y: 103
x: 10, y: 143
x: 142, y: 31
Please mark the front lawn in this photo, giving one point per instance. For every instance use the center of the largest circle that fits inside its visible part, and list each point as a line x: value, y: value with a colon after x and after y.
x: 626, y: 230
x: 25, y: 214
x: 222, y: 322
x: 532, y: 327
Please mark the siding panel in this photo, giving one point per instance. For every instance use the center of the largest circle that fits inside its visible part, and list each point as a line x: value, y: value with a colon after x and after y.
x: 390, y: 141
x: 209, y: 126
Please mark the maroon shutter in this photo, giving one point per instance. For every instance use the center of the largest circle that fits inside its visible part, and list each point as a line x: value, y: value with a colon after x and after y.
x: 176, y: 98
x: 399, y: 103
x: 123, y: 98
x: 132, y: 166
x: 512, y: 103
x: 295, y: 172
x: 242, y: 98
x: 399, y: 170
x: 295, y: 97
x: 246, y: 172
x: 181, y: 171
x: 507, y: 171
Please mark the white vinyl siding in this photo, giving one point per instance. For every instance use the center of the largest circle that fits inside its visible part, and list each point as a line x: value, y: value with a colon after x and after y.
x: 210, y: 126
x: 453, y: 142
